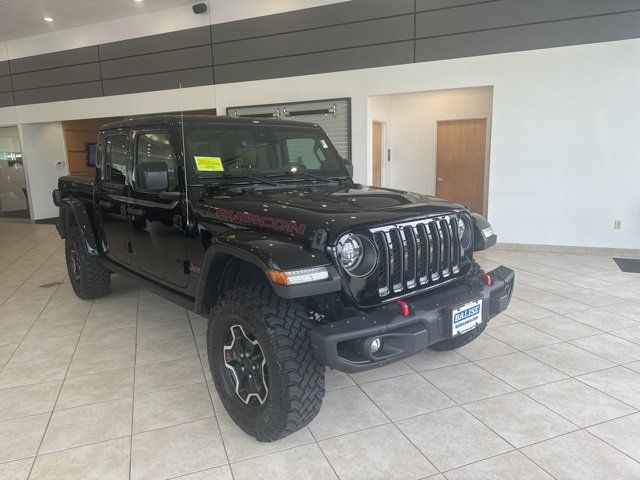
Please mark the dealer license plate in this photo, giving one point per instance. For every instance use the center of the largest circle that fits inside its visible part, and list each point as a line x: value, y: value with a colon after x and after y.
x: 465, y: 317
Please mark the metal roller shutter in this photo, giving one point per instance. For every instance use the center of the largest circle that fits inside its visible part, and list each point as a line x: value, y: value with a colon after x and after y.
x: 333, y: 115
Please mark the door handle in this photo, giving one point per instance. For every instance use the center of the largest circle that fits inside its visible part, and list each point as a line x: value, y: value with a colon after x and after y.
x: 105, y: 204
x: 440, y: 179
x: 136, y: 212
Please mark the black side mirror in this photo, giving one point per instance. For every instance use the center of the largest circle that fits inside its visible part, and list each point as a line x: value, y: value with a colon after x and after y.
x: 152, y: 176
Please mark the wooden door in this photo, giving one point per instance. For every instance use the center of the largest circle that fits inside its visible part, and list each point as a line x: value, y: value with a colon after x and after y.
x: 377, y: 154
x: 460, y: 167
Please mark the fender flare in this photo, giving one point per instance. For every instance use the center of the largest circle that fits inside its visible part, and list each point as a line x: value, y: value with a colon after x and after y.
x: 250, y: 253
x: 74, y: 208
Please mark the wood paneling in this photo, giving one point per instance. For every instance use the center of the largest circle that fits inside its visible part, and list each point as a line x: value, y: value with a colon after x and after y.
x: 461, y: 155
x: 77, y: 134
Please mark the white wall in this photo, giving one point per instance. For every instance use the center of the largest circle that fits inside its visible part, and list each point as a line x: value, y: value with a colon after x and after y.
x: 564, y: 155
x: 42, y: 147
x: 411, y: 130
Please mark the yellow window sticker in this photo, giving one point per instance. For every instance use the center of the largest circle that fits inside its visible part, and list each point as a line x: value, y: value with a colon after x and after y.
x: 209, y: 164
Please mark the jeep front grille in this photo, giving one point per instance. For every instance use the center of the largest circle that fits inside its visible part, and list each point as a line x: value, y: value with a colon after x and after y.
x: 417, y: 254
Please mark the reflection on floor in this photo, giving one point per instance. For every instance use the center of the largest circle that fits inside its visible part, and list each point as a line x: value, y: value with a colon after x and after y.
x: 120, y: 387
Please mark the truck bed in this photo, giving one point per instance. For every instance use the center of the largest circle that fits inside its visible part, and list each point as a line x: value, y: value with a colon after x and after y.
x: 77, y: 185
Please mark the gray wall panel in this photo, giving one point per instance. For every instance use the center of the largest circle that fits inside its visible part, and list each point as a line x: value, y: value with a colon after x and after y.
x: 509, y: 13
x: 385, y: 30
x: 5, y: 84
x: 4, y: 68
x: 57, y: 76
x: 158, y: 62
x: 55, y: 94
x: 529, y: 37
x: 333, y: 14
x: 336, y: 60
x: 6, y: 99
x: 53, y: 60
x: 192, y: 37
x: 422, y: 5
x: 159, y: 81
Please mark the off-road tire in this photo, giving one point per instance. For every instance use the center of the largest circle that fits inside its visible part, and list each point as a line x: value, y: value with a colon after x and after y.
x: 459, y: 340
x: 94, y: 279
x: 296, y: 380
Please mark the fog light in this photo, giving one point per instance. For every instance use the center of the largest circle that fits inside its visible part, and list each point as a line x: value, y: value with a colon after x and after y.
x: 376, y: 345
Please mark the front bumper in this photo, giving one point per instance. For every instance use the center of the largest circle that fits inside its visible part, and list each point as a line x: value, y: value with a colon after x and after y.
x: 339, y: 345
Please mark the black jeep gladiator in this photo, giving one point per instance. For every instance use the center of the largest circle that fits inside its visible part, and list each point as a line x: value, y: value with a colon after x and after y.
x: 258, y: 225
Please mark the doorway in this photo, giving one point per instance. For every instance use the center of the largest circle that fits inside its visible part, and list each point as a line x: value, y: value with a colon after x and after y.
x: 377, y: 149
x: 461, y: 162
x: 13, y: 186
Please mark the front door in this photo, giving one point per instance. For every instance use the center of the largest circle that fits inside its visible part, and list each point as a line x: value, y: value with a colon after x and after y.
x: 113, y: 193
x: 461, y: 154
x: 377, y: 131
x: 157, y: 234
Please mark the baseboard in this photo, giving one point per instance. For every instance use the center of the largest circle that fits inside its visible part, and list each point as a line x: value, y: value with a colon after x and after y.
x: 530, y: 247
x: 47, y: 221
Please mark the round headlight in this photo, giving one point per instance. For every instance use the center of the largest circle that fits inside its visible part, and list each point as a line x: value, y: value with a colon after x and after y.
x: 357, y: 255
x: 350, y: 252
x: 464, y: 231
x: 461, y: 228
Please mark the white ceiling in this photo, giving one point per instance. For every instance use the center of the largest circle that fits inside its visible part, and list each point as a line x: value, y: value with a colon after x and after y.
x: 23, y: 18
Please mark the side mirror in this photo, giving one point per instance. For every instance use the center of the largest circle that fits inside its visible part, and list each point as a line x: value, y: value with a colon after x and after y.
x: 152, y: 176
x: 349, y: 164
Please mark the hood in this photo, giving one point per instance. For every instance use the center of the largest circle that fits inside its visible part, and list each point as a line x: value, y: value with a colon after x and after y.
x: 301, y: 211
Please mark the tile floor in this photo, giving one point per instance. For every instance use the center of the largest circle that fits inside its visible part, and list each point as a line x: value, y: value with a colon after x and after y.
x: 119, y: 388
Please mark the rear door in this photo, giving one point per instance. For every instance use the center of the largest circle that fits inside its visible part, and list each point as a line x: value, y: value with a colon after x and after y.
x: 157, y: 234
x: 113, y: 193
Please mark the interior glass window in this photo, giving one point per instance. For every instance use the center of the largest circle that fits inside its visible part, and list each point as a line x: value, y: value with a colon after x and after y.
x: 156, y: 147
x: 116, y: 159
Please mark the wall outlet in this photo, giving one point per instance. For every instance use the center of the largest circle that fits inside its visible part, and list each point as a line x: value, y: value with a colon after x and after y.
x: 617, y: 224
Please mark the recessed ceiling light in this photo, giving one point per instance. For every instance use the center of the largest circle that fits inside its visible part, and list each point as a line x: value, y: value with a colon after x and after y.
x: 48, y: 19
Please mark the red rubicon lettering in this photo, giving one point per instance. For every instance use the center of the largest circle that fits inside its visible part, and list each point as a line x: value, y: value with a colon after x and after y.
x: 277, y: 224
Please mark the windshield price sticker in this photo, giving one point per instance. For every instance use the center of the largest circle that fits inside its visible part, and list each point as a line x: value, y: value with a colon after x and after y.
x: 209, y: 164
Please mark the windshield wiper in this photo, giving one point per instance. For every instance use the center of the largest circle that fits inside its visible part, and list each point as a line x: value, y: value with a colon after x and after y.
x: 247, y: 177
x: 291, y: 174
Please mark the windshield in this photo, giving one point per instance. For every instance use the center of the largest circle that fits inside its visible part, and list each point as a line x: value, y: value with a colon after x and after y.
x: 259, y: 151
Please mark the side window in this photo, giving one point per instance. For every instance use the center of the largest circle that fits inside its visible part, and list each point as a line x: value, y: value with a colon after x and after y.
x: 115, y: 159
x: 305, y: 152
x: 156, y: 147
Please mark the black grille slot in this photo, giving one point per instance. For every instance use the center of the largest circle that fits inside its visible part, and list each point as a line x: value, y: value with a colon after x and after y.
x: 396, y: 253
x: 383, y: 264
x: 410, y: 259
x: 417, y: 254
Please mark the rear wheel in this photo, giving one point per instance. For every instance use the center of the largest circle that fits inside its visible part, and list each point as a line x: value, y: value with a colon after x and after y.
x: 262, y: 362
x: 88, y: 277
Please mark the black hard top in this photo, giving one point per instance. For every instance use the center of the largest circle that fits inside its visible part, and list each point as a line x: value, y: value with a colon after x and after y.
x: 153, y: 120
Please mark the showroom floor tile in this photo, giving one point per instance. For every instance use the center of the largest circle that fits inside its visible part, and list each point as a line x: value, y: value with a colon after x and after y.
x: 119, y: 388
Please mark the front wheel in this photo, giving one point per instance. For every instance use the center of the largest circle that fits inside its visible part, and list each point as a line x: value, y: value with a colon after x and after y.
x: 88, y: 277
x: 262, y: 362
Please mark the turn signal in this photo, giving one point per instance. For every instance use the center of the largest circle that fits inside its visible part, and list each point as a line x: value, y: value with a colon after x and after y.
x: 295, y: 277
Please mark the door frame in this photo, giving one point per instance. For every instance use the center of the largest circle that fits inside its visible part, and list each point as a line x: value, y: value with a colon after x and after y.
x: 487, y: 157
x: 383, y: 152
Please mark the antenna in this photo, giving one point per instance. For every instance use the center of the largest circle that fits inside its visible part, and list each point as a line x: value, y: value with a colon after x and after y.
x: 184, y: 159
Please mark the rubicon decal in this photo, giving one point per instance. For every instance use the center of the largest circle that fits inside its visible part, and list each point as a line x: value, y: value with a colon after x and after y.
x: 277, y: 224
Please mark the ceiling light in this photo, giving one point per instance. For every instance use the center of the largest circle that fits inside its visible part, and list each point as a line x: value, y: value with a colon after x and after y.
x: 48, y: 19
